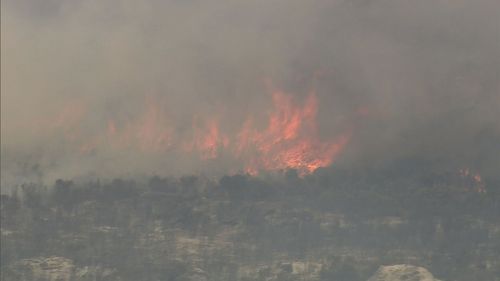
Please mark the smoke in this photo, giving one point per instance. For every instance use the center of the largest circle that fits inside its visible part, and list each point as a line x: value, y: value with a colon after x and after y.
x: 405, y: 79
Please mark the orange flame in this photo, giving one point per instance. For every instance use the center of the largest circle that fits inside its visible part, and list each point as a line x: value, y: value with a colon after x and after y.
x: 289, y: 139
x: 208, y: 140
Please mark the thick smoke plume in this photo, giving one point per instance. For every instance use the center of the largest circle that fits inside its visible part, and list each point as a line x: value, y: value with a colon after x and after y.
x: 173, y: 87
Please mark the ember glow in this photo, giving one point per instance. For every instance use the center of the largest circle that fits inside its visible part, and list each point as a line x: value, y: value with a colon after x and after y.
x: 288, y: 139
x: 472, y: 180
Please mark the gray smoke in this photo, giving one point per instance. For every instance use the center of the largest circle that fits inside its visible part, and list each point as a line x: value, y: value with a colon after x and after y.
x: 425, y: 73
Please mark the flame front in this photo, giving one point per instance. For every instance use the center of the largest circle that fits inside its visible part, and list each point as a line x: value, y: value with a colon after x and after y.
x: 288, y: 140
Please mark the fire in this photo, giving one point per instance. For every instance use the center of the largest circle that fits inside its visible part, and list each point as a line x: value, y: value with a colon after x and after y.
x: 151, y: 132
x: 289, y: 138
x: 472, y: 180
x: 208, y: 140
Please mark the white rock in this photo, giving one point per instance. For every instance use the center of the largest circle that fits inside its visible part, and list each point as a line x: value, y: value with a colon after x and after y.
x: 402, y: 272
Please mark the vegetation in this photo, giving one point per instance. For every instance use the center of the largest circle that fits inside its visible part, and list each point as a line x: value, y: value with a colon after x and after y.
x: 339, y: 225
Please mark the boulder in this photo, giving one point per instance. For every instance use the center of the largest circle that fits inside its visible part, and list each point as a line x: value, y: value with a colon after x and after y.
x: 402, y: 272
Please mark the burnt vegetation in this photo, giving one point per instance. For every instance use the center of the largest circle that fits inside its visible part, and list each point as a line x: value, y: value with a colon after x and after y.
x: 331, y: 225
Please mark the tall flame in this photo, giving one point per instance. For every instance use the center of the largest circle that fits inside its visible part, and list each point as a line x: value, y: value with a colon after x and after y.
x: 289, y: 139
x: 207, y: 140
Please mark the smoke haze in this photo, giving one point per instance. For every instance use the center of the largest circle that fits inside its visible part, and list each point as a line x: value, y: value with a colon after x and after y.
x: 398, y: 79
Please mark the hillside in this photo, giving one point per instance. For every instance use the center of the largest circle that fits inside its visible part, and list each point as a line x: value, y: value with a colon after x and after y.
x: 327, y: 226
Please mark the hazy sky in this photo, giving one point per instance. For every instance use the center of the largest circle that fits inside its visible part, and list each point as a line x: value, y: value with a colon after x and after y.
x: 410, y: 79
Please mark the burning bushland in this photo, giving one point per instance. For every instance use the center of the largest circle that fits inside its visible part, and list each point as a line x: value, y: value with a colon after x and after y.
x: 249, y: 140
x: 173, y: 88
x: 288, y: 139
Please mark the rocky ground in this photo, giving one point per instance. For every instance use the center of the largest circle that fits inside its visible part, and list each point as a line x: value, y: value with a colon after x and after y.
x: 402, y: 272
x: 248, y: 229
x: 62, y: 269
